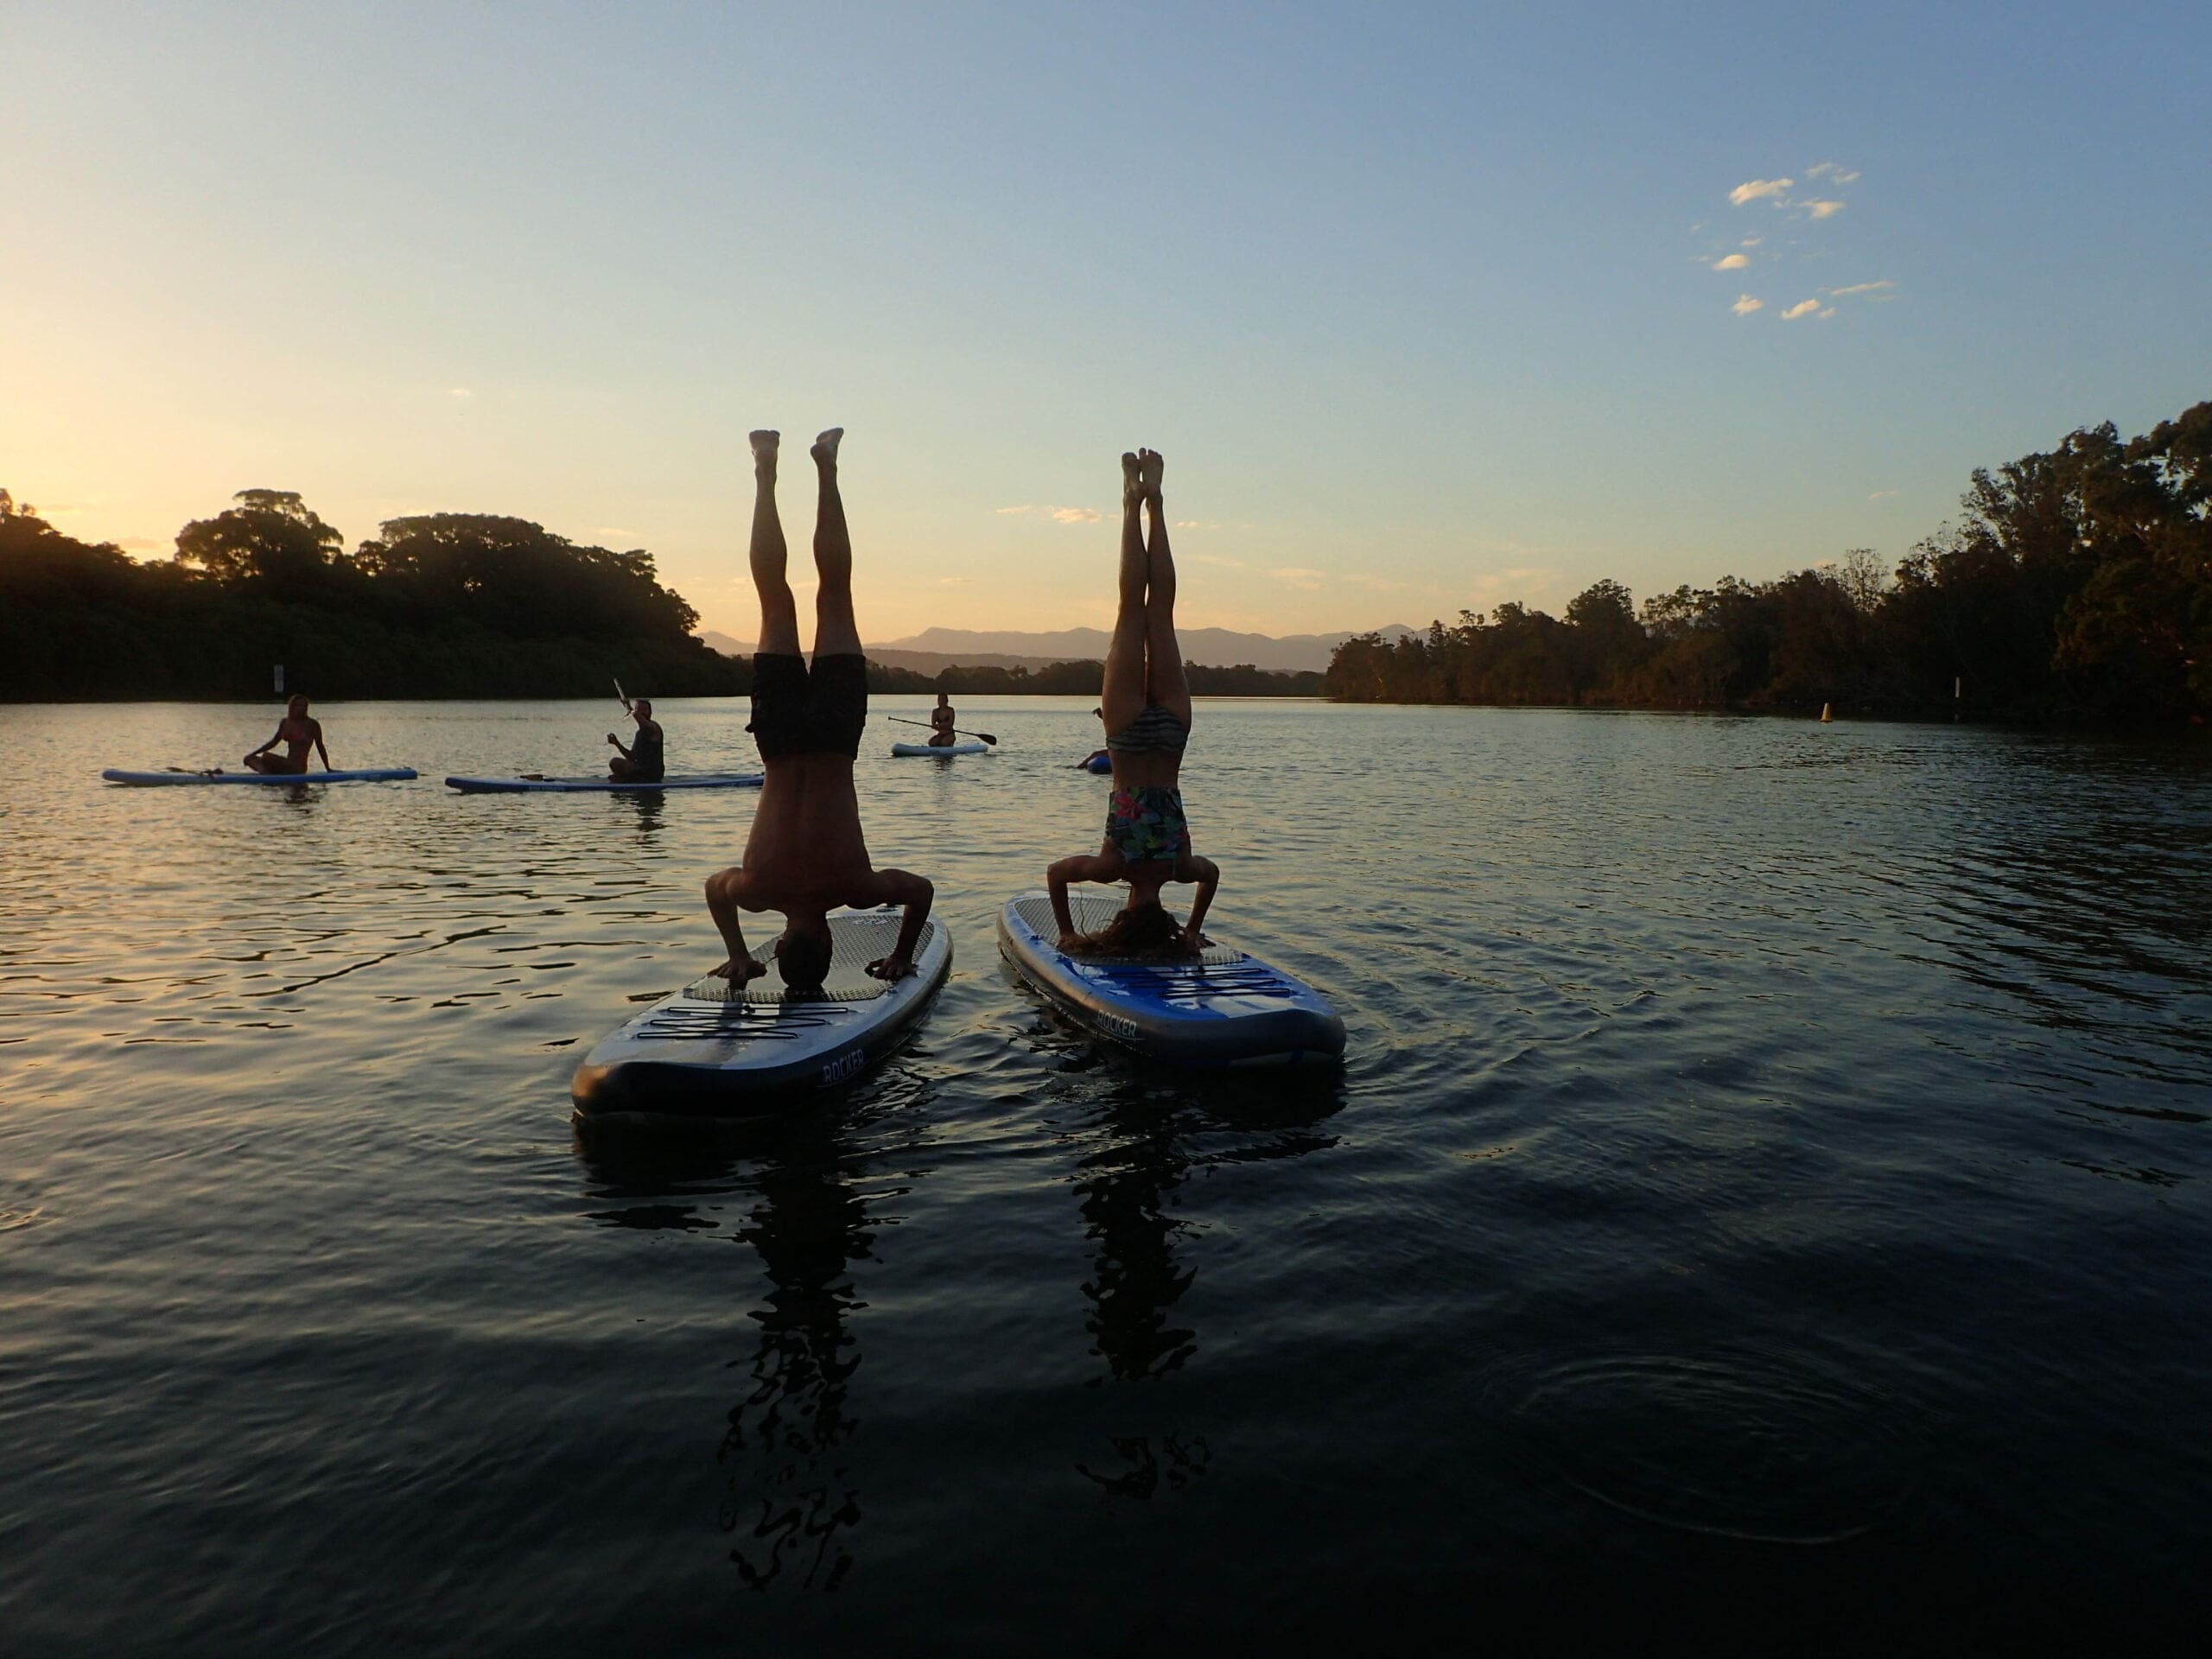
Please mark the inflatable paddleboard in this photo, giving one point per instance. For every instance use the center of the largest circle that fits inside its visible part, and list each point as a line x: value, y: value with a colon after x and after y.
x: 371, y: 775
x: 1101, y: 764
x: 1219, y: 1008
x: 713, y: 1050
x: 599, y: 785
x: 940, y: 750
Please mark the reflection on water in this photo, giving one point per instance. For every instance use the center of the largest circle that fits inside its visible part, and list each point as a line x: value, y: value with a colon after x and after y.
x: 1759, y: 1141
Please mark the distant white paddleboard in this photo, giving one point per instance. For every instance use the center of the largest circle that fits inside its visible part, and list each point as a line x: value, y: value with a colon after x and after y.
x: 712, y: 1051
x: 1220, y: 1008
x: 599, y: 786
x: 940, y: 750
x: 371, y: 775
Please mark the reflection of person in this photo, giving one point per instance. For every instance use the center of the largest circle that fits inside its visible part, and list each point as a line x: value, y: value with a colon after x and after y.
x: 1146, y: 707
x: 641, y: 761
x: 806, y: 854
x: 941, y: 719
x: 298, y: 734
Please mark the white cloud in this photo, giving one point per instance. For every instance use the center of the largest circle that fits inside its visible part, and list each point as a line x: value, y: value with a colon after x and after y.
x: 1881, y: 495
x: 1309, y: 581
x: 1803, y: 307
x: 1075, y: 515
x: 1862, y: 288
x: 1751, y: 242
x: 1746, y: 305
x: 1733, y: 262
x: 956, y: 582
x: 1824, y: 209
x: 1829, y: 311
x: 461, y: 391
x: 1830, y: 170
x: 1196, y: 524
x: 1024, y: 507
x: 1752, y: 189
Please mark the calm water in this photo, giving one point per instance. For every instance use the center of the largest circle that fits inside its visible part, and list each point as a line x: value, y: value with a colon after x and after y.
x: 1767, y: 1183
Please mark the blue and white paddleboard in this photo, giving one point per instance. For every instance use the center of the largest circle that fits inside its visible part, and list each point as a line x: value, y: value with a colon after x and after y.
x: 600, y: 786
x: 1220, y: 1008
x: 1101, y: 764
x: 371, y: 775
x: 709, y: 1051
x: 941, y: 750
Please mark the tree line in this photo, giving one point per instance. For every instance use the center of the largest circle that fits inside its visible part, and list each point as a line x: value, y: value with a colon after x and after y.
x: 2075, y: 585
x: 440, y: 605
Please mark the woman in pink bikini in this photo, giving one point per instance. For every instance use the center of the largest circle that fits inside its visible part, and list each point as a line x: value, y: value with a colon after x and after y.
x: 1146, y: 706
x: 298, y: 734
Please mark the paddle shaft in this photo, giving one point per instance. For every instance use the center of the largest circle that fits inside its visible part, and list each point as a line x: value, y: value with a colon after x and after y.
x: 989, y: 737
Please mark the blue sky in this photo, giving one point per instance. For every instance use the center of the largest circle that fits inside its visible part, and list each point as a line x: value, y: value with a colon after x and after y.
x: 1420, y: 302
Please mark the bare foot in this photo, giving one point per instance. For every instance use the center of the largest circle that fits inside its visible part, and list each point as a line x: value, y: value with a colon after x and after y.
x: 763, y: 449
x: 1132, y: 486
x: 1149, y: 463
x: 826, y: 447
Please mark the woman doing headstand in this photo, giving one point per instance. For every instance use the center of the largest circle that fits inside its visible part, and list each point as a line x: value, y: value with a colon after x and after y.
x: 1146, y: 706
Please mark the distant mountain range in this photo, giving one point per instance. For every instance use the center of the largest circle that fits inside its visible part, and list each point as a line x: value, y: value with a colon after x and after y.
x: 940, y: 648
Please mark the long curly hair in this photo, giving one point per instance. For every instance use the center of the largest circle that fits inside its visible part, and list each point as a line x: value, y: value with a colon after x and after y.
x: 1145, y: 929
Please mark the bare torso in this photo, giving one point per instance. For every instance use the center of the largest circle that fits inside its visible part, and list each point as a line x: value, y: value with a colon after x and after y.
x: 807, y: 851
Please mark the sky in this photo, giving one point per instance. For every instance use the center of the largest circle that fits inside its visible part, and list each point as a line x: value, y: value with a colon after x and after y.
x: 1428, y: 308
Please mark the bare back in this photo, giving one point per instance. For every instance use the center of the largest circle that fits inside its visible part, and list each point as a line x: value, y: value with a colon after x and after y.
x: 807, y: 851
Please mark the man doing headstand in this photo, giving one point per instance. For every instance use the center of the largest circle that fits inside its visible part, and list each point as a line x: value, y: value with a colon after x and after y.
x: 806, y: 855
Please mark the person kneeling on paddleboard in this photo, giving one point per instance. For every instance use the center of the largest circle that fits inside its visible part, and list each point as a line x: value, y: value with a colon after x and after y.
x: 641, y: 762
x: 298, y: 734
x: 941, y: 723
x: 1146, y: 707
x: 806, y: 856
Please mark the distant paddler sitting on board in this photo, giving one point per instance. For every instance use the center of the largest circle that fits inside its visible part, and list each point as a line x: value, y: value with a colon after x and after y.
x: 941, y: 719
x: 806, y: 856
x: 298, y: 734
x: 1146, y: 708
x: 640, y: 760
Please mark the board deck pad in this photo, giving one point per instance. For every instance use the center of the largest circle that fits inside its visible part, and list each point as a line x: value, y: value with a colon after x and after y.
x: 713, y: 1050
x: 1222, y: 1008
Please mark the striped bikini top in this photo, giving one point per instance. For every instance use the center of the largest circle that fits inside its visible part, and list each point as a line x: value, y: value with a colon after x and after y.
x: 1154, y: 730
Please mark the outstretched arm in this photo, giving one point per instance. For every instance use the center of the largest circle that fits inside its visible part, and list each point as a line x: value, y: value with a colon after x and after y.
x: 320, y: 749
x: 1207, y: 874
x: 1092, y: 867
x: 916, y: 892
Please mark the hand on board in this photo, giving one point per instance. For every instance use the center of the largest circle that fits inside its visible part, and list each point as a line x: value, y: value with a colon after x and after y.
x: 893, y: 967
x: 740, y: 971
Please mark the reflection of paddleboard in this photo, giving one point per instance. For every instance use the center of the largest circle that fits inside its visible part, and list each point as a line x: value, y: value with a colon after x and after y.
x: 1220, y: 1008
x: 598, y: 785
x: 371, y: 775
x: 940, y: 748
x: 710, y: 1051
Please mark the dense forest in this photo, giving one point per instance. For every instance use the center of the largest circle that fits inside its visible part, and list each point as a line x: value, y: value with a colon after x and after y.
x: 445, y: 605
x: 2075, y: 585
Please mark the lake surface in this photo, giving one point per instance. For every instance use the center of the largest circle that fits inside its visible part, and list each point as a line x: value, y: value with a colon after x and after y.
x: 1767, y: 1188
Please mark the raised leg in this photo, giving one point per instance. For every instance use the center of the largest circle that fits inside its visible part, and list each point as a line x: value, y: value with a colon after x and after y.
x: 1165, y: 680
x: 1122, y: 699
x: 779, y: 610
x: 835, y: 632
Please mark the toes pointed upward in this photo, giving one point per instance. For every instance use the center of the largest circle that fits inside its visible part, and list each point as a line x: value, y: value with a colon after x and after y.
x: 826, y: 444
x: 763, y: 443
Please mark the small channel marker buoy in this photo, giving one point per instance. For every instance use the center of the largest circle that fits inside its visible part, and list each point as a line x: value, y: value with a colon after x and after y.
x: 1828, y: 715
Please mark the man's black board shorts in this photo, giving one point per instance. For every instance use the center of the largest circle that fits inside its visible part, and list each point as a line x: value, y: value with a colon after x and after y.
x: 797, y: 710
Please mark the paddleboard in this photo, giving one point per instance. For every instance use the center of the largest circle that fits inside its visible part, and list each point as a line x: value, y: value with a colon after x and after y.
x: 599, y: 785
x: 1101, y: 764
x: 710, y: 1051
x: 370, y: 775
x: 1220, y: 1008
x: 940, y: 750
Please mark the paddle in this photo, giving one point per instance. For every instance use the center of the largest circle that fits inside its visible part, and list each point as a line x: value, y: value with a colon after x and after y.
x: 989, y: 737
x: 623, y: 700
